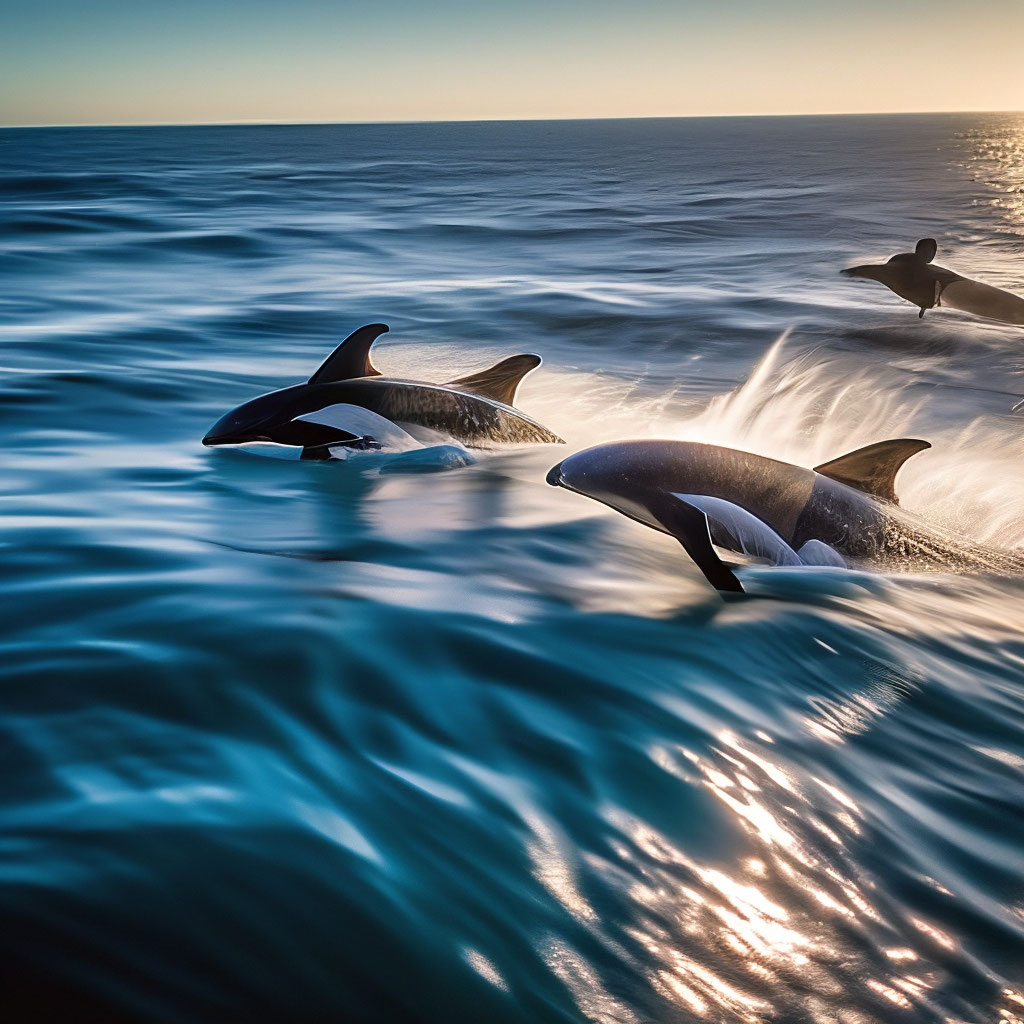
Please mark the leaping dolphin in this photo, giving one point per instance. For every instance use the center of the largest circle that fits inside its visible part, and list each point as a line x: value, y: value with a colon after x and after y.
x: 476, y: 409
x: 843, y: 512
x: 913, y: 276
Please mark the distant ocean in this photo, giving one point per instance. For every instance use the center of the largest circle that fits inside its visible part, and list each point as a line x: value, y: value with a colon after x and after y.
x: 305, y: 741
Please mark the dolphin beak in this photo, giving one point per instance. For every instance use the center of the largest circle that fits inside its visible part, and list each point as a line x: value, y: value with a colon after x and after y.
x: 228, y: 430
x: 554, y: 476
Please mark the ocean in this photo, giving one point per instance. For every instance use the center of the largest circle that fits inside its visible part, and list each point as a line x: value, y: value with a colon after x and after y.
x: 289, y: 740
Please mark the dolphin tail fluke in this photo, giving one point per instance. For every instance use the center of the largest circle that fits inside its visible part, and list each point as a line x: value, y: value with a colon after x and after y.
x: 351, y: 358
x: 689, y: 525
x: 498, y: 382
x: 873, y: 469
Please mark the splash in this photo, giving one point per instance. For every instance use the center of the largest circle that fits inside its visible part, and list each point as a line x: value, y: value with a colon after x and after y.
x: 818, y: 404
x: 807, y: 403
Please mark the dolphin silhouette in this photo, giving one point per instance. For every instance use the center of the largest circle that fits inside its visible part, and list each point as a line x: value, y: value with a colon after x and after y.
x: 913, y: 276
x: 843, y: 512
x: 323, y: 412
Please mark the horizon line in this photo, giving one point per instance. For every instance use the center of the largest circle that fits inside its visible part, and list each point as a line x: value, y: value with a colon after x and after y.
x: 258, y: 122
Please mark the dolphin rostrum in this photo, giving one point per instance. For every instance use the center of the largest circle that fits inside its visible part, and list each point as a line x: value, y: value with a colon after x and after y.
x: 913, y: 276
x: 843, y: 512
x: 476, y: 409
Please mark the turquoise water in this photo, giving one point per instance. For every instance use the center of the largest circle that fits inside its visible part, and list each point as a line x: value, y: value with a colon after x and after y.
x: 289, y: 740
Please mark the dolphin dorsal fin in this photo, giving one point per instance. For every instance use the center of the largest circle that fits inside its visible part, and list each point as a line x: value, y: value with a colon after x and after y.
x: 926, y: 249
x: 873, y: 469
x: 499, y: 381
x: 351, y: 358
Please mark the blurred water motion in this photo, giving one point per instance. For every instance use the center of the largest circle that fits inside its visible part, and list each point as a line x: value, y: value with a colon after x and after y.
x: 285, y: 740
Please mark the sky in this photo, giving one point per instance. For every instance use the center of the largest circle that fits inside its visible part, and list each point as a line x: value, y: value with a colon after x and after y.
x: 192, y: 61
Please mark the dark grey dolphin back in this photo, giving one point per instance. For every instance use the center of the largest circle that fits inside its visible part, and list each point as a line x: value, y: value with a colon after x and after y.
x: 476, y: 409
x: 773, y: 491
x: 472, y: 419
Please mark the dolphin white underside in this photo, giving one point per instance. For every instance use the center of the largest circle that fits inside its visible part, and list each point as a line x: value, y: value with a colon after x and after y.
x: 756, y: 539
x: 388, y: 438
x: 427, y: 452
x: 363, y: 423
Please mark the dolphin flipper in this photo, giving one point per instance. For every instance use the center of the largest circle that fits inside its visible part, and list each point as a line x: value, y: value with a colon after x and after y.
x: 689, y: 525
x: 743, y: 531
x: 499, y: 381
x: 817, y: 552
x: 358, y: 422
x: 351, y: 358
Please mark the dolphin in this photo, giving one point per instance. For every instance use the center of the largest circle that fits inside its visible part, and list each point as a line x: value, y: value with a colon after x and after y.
x: 324, y: 413
x: 844, y: 512
x: 373, y: 433
x: 913, y: 276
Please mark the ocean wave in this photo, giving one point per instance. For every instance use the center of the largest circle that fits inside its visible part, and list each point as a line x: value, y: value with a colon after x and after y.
x: 465, y: 730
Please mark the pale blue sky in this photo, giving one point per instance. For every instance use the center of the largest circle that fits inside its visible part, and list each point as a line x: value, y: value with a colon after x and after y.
x: 113, y: 61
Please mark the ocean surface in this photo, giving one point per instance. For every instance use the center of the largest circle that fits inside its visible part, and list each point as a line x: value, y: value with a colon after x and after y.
x: 290, y: 741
